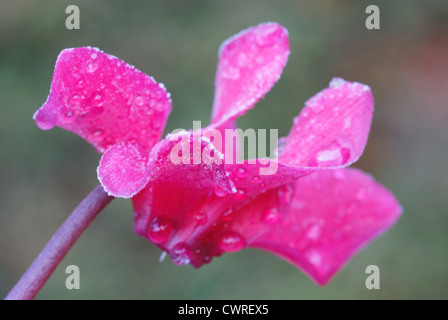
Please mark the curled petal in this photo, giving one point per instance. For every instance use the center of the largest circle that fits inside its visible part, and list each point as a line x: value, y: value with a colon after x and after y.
x: 330, y: 133
x: 250, y: 63
x: 332, y: 215
x: 332, y: 129
x: 104, y: 100
x: 123, y: 169
x: 179, y: 186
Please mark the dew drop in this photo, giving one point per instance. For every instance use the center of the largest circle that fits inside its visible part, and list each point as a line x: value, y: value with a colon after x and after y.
x: 93, y: 56
x: 69, y: 116
x: 201, y: 218
x: 220, y: 191
x: 285, y: 194
x: 256, y: 179
x: 80, y: 84
x: 139, y: 100
x: 271, y: 216
x: 181, y: 254
x: 314, y: 257
x: 231, y: 242
x: 160, y: 229
x: 97, y: 134
x: 328, y: 155
x: 241, y: 173
x: 98, y: 100
x: 336, y: 83
x: 228, y: 215
x: 314, y: 232
x: 240, y: 194
x: 91, y: 67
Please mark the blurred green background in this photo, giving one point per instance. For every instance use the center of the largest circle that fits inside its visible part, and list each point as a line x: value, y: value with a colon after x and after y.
x: 44, y: 175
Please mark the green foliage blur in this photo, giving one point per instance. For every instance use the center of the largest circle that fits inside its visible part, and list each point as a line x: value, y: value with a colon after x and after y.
x: 45, y: 174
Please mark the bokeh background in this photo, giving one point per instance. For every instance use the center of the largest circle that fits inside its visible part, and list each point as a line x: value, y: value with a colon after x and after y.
x: 44, y: 175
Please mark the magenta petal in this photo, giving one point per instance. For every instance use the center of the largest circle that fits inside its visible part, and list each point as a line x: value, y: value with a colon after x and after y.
x: 250, y: 63
x: 332, y: 215
x: 104, y: 100
x: 177, y: 192
x: 123, y: 169
x: 332, y: 129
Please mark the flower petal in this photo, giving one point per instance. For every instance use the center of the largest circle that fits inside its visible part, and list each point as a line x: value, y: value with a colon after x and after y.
x: 332, y: 129
x: 250, y: 63
x: 177, y: 190
x: 330, y: 133
x: 104, y: 100
x: 332, y: 215
x: 123, y: 169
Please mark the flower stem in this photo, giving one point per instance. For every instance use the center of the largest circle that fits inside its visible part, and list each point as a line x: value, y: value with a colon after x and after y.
x: 46, y: 262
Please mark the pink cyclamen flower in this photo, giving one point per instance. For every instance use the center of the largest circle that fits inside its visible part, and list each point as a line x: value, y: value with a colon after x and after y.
x: 311, y: 211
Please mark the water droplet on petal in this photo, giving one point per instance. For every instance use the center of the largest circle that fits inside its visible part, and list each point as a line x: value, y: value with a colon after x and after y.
x: 220, y: 191
x: 91, y: 67
x: 328, y: 155
x: 314, y: 232
x: 285, y: 194
x: 98, y: 100
x: 256, y: 179
x: 69, y: 116
x: 139, y: 100
x: 241, y: 173
x: 331, y: 157
x: 181, y: 254
x: 336, y: 83
x: 201, y: 218
x: 228, y: 215
x: 314, y: 257
x: 240, y: 194
x: 160, y: 229
x: 93, y: 56
x: 231, y: 242
x: 271, y: 216
x: 97, y: 134
x: 80, y: 84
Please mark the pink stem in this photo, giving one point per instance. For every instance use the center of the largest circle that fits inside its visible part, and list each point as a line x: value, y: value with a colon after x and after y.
x: 46, y: 262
